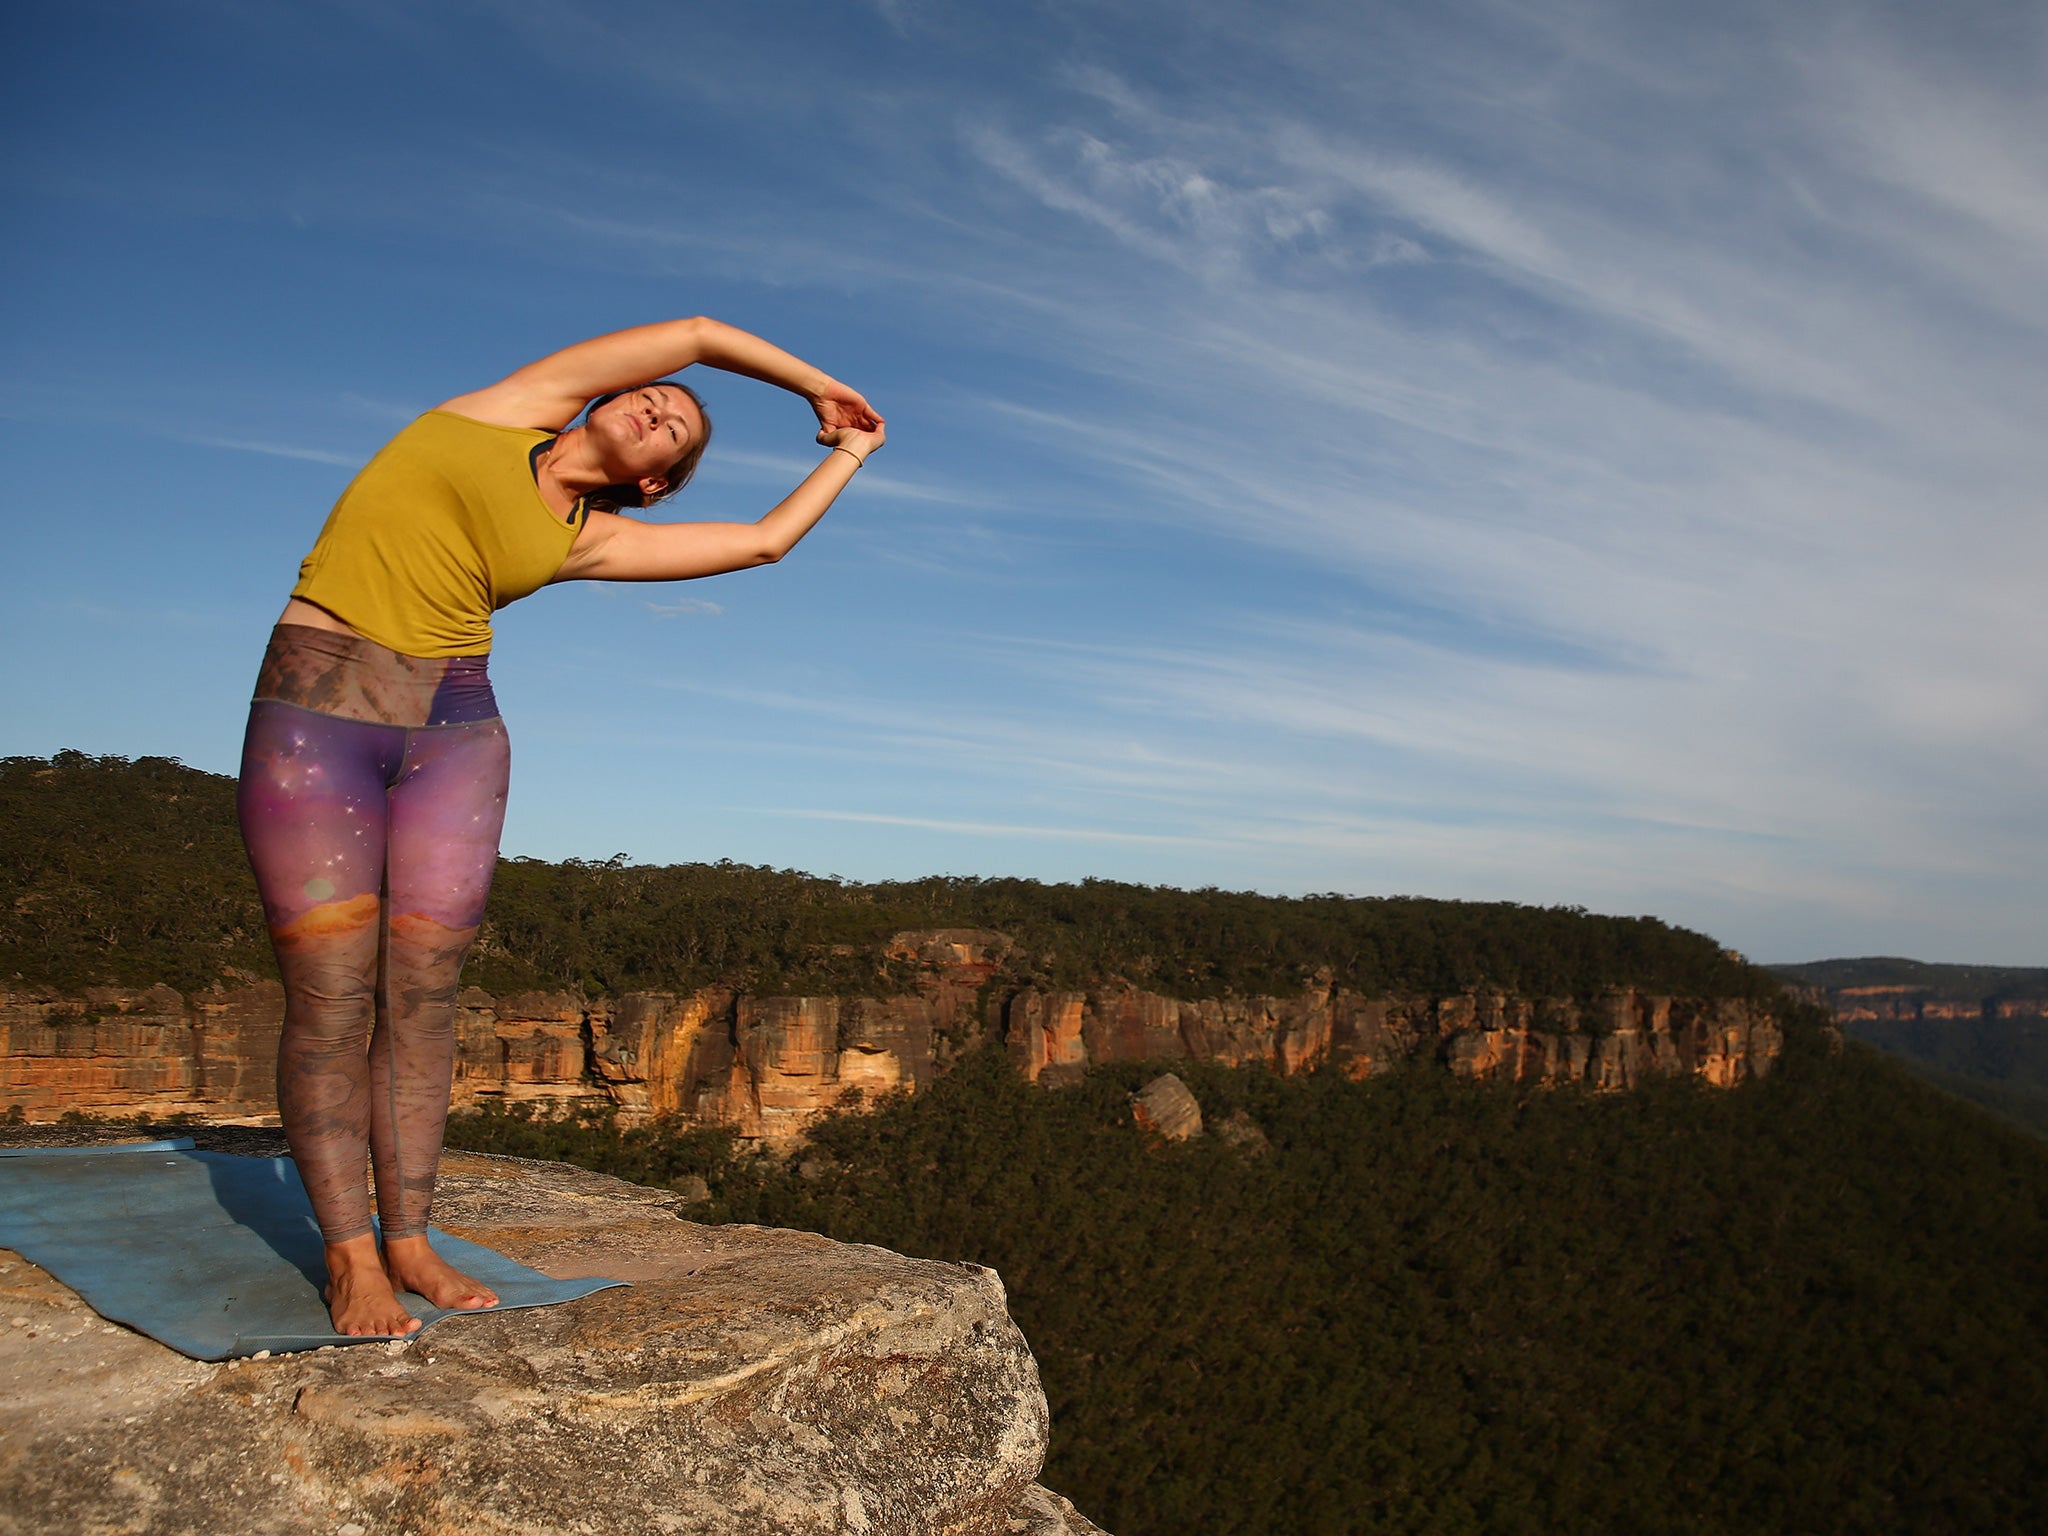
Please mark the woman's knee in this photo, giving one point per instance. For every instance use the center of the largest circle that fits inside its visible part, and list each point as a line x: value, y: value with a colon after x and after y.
x: 331, y: 1006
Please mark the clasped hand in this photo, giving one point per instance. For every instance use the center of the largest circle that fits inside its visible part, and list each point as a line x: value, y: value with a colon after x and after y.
x: 846, y: 420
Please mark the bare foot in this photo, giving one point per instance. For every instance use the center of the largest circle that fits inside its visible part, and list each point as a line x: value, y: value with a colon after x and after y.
x: 413, y: 1266
x: 359, y: 1296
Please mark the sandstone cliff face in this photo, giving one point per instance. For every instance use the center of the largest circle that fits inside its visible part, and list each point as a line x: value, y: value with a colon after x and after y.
x: 1615, y: 1043
x: 1912, y: 1005
x: 768, y: 1066
x: 750, y: 1383
x: 154, y: 1051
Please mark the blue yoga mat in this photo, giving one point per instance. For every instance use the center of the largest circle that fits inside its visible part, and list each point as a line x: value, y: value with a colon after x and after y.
x: 214, y: 1255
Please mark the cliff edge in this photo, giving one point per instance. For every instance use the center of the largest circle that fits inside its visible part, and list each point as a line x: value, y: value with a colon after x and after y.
x: 750, y: 1380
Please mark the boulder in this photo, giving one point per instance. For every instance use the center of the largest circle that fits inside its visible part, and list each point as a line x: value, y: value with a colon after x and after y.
x: 1166, y: 1107
x: 750, y: 1380
x: 1041, y: 1512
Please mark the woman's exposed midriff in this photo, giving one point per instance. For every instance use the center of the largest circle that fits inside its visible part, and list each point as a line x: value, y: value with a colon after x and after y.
x: 313, y: 616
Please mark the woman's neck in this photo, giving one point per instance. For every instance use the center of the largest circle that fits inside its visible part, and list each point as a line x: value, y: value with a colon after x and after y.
x: 566, y: 472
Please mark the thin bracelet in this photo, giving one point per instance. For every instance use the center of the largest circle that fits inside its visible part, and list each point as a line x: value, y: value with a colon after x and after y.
x: 850, y: 454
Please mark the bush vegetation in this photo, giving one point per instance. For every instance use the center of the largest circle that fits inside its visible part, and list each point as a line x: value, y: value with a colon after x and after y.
x: 132, y: 873
x: 1819, y: 1303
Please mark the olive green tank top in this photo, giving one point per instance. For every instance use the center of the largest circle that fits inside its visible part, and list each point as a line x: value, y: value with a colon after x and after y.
x: 440, y: 530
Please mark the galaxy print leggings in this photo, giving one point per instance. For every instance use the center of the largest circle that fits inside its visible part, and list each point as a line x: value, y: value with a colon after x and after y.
x: 372, y: 795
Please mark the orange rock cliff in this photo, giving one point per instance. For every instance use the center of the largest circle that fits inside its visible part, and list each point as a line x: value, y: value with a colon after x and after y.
x: 768, y: 1066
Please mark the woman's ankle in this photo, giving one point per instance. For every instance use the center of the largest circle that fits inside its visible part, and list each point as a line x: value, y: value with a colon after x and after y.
x: 358, y: 1252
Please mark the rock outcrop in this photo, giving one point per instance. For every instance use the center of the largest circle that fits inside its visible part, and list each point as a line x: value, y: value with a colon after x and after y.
x: 1167, y: 1109
x: 768, y: 1066
x: 751, y: 1381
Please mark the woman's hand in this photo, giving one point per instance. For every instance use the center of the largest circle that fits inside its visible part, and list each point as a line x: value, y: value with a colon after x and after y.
x: 839, y: 406
x: 854, y: 440
x: 616, y: 548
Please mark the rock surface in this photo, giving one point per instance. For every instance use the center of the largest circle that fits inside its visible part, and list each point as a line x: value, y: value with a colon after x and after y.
x: 750, y: 1381
x: 1905, y: 1003
x: 1167, y: 1108
x: 1041, y: 1512
x: 769, y: 1066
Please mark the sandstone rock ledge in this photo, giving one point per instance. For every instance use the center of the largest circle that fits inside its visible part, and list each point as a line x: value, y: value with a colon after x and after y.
x: 751, y: 1381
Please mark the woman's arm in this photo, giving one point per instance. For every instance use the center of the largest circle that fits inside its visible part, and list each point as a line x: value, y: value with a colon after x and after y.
x: 550, y: 392
x: 615, y: 548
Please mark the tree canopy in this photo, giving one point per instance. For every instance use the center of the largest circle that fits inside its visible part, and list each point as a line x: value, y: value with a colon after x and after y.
x: 132, y: 873
x: 1816, y: 1303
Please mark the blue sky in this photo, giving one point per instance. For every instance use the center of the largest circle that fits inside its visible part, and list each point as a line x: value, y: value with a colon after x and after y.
x: 1568, y: 453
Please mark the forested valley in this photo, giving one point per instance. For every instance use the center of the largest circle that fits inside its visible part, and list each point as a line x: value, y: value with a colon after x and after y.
x: 1817, y: 1303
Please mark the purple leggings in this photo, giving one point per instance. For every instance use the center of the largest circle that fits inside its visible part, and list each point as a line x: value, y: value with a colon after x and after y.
x: 372, y: 795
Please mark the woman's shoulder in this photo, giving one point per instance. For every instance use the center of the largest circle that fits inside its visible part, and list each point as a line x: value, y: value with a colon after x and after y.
x: 511, y: 408
x: 442, y: 442
x: 445, y: 419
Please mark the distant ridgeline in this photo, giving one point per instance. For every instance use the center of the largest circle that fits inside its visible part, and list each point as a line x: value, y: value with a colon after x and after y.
x: 132, y: 874
x: 1980, y: 1031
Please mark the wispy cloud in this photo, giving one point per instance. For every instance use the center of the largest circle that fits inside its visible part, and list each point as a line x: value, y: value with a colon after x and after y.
x: 983, y: 828
x: 1681, y: 391
x: 271, y: 450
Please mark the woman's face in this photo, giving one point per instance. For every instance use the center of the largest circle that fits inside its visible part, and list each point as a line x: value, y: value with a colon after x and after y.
x: 644, y: 431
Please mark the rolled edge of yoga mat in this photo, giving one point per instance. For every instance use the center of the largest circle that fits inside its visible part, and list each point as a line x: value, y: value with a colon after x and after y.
x: 168, y: 1144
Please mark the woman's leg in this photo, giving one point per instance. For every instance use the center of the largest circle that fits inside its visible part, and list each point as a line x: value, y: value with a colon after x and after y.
x: 312, y: 802
x: 447, y: 808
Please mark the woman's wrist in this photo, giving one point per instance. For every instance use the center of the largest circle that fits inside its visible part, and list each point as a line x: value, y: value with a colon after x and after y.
x: 857, y: 459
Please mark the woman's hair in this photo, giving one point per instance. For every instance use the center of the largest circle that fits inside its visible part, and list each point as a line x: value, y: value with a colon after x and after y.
x: 613, y: 497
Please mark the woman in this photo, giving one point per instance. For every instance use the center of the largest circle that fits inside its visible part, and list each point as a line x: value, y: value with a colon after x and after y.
x: 375, y: 766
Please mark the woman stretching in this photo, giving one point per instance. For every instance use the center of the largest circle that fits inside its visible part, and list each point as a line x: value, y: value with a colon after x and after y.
x: 375, y: 767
